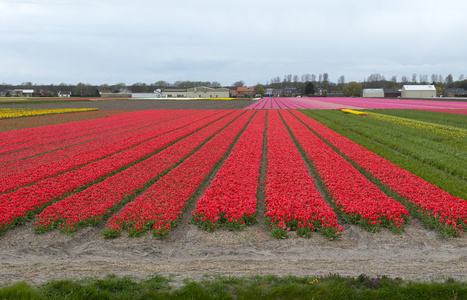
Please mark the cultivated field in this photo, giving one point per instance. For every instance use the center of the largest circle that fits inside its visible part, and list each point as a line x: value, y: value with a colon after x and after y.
x: 234, y: 188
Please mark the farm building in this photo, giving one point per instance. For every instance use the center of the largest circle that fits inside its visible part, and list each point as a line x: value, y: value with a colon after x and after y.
x: 453, y: 92
x: 174, y: 93
x: 64, y: 94
x: 195, y: 92
x: 373, y: 93
x: 243, y: 92
x: 418, y: 91
x: 392, y: 93
x: 207, y: 92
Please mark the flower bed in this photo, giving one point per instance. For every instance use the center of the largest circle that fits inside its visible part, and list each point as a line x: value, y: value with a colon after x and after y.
x: 91, y: 205
x: 433, y: 206
x: 230, y: 200
x: 354, y: 196
x: 292, y: 200
x: 24, y: 202
x: 161, y: 205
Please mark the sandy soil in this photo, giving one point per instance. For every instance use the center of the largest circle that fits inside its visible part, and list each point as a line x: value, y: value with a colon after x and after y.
x: 189, y: 252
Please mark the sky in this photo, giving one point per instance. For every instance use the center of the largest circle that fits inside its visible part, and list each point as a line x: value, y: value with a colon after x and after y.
x: 145, y: 41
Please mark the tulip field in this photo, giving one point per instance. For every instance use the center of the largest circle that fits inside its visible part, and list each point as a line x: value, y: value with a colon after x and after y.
x: 297, y: 165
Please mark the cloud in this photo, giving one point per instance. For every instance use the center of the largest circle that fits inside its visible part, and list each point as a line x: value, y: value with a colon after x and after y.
x: 146, y: 41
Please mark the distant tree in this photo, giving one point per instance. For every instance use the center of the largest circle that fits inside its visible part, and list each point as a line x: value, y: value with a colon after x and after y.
x: 341, y: 80
x: 260, y: 91
x: 216, y: 84
x: 423, y: 79
x: 352, y: 89
x: 439, y: 91
x: 162, y: 83
x: 448, y: 80
x: 414, y: 78
x: 309, y: 88
x: 119, y: 86
x: 461, y: 77
x: 239, y: 83
x: 104, y: 86
x: 81, y: 89
x: 394, y: 78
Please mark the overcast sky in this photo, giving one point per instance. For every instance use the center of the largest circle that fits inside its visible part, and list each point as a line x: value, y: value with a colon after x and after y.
x: 113, y: 41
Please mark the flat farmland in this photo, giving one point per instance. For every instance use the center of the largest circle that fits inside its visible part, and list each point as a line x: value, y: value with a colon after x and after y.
x: 193, y: 188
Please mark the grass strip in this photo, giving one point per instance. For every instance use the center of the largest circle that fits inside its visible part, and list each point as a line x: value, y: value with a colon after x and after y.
x: 332, y: 286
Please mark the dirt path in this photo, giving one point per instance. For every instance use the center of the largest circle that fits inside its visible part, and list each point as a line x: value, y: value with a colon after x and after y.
x: 415, y: 254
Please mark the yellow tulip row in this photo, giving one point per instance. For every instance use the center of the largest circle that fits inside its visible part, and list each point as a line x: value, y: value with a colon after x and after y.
x: 438, y: 128
x: 355, y: 112
x: 17, y: 112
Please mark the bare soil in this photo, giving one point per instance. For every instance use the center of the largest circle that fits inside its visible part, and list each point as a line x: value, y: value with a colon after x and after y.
x: 188, y: 252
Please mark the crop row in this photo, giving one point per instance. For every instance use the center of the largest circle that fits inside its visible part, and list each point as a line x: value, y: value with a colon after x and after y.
x: 159, y: 169
x: 160, y: 206
x: 85, y: 156
x: 92, y: 204
x: 76, y: 135
x: 16, y: 112
x: 230, y: 199
x: 435, y: 207
x: 438, y: 159
x: 292, y: 199
x: 23, y: 202
x: 355, y: 197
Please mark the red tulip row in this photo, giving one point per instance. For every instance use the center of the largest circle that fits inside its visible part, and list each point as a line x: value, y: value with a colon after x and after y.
x: 230, y: 199
x: 355, y: 197
x: 34, y: 174
x: 160, y: 206
x: 22, y: 203
x: 40, y: 146
x: 61, y: 133
x: 436, y: 208
x: 94, y: 203
x: 292, y: 200
x: 36, y: 156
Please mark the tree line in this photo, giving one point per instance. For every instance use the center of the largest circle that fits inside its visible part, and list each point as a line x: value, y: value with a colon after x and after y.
x: 303, y: 83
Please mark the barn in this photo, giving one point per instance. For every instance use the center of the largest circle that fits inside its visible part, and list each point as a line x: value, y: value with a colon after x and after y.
x: 373, y: 93
x: 418, y: 91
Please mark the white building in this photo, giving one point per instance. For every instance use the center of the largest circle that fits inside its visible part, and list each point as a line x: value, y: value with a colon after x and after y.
x: 207, y: 92
x: 418, y: 91
x: 373, y: 93
x: 196, y: 92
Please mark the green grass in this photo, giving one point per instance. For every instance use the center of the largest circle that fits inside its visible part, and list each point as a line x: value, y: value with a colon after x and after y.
x: 439, y: 160
x: 332, y: 286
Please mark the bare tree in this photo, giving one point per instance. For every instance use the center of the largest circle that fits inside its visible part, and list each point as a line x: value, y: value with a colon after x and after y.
x: 414, y: 78
x: 423, y: 78
x: 341, y: 80
x: 239, y: 83
x: 449, y: 79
